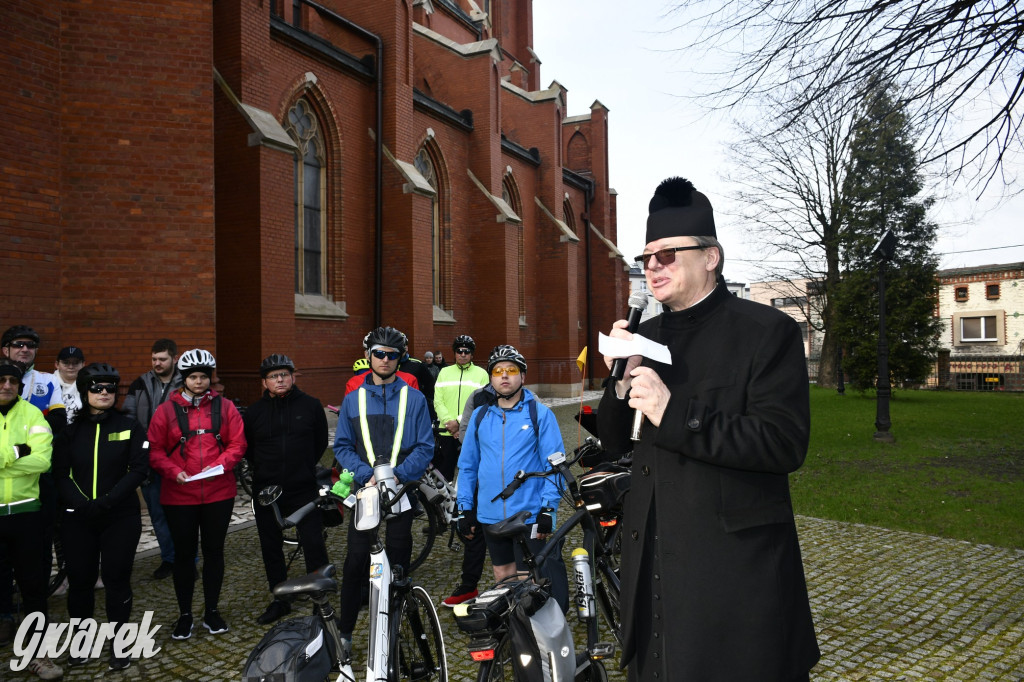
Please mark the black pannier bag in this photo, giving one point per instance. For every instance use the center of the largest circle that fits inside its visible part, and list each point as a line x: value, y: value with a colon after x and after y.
x: 293, y: 651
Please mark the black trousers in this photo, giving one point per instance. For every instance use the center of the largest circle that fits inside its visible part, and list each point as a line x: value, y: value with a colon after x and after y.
x: 189, y: 523
x: 88, y: 543
x: 310, y: 531
x: 355, y: 574
x: 447, y: 456
x: 25, y: 539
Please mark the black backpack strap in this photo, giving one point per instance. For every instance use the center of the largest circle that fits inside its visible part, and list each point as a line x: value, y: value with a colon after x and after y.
x: 181, y: 413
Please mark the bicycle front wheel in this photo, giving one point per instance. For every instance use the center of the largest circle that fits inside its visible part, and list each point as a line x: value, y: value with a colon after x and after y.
x: 424, y: 530
x: 417, y: 641
x: 499, y: 669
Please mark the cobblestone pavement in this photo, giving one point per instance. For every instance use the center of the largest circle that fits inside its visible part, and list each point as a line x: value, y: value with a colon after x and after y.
x: 888, y: 605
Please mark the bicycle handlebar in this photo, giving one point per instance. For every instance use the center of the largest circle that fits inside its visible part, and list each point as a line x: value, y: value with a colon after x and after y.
x: 559, y: 465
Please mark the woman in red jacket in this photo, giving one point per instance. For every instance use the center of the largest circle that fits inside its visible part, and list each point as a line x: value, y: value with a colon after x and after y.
x: 193, y: 432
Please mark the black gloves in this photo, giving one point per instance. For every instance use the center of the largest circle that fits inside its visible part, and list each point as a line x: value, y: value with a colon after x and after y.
x: 466, y: 523
x: 545, y: 521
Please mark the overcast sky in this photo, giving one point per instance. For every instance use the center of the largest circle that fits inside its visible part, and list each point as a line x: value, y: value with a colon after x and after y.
x: 621, y: 54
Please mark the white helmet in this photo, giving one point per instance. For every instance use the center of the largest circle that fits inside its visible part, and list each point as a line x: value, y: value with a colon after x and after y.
x: 196, y: 360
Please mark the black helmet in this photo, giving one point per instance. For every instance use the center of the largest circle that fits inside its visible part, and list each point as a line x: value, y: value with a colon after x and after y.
x: 386, y: 336
x: 464, y: 341
x: 506, y: 353
x: 12, y: 368
x: 96, y: 372
x: 19, y: 331
x: 275, y: 361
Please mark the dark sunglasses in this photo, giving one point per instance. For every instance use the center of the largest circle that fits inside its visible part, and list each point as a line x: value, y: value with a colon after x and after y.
x: 103, y: 388
x: 463, y: 351
x: 665, y: 256
x: 23, y: 344
x: 385, y: 354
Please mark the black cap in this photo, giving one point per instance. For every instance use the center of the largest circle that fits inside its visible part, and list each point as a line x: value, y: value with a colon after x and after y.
x: 68, y: 352
x: 679, y: 210
x: 12, y: 368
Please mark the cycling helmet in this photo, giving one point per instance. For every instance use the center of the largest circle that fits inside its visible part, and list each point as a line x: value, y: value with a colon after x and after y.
x: 275, y: 361
x: 464, y: 341
x: 12, y: 368
x: 360, y: 365
x: 19, y: 331
x: 197, y: 360
x: 386, y: 336
x: 96, y: 372
x: 507, y: 353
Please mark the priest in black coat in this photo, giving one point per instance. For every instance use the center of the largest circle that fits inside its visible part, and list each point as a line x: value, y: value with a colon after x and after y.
x: 712, y: 580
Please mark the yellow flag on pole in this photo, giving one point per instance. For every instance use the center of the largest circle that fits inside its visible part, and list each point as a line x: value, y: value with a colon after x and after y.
x: 581, y: 361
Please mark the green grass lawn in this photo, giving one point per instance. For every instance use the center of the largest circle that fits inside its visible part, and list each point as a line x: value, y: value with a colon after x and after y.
x: 956, y: 468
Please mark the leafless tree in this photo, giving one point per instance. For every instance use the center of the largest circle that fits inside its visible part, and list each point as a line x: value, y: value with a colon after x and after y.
x: 959, y: 64
x: 790, y: 189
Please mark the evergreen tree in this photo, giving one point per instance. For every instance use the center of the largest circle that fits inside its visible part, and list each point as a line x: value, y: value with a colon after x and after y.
x: 881, y: 187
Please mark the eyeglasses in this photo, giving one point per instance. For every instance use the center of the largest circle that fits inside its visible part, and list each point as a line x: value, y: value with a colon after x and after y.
x: 277, y: 376
x: 665, y: 256
x: 386, y: 354
x: 502, y: 371
x: 463, y: 351
x: 23, y: 344
x: 103, y: 388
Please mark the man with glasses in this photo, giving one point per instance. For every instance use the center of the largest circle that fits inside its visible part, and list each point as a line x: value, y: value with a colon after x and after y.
x: 508, y: 433
x: 25, y: 450
x: 381, y: 421
x: 286, y: 433
x: 70, y: 360
x: 710, y: 557
x: 42, y: 389
x: 452, y: 389
x: 145, y: 395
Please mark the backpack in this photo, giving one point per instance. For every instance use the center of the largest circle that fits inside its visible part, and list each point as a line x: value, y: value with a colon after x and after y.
x: 295, y: 650
x: 181, y: 413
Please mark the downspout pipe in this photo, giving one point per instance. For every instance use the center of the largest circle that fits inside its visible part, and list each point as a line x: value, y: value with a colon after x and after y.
x: 589, y: 200
x: 378, y: 179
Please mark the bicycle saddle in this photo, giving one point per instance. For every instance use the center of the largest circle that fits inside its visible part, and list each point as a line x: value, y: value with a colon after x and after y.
x: 511, y: 527
x: 320, y: 580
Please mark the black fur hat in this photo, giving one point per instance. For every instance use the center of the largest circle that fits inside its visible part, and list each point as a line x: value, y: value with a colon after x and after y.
x: 679, y: 210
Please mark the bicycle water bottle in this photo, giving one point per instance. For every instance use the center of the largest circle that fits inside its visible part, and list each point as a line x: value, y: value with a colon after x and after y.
x: 584, y: 583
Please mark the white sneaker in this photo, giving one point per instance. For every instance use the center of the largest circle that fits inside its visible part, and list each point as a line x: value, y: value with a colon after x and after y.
x: 45, y: 669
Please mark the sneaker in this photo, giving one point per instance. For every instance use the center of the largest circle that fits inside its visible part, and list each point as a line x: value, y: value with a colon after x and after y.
x: 183, y: 628
x: 346, y: 649
x: 119, y: 663
x: 74, y: 661
x: 6, y: 628
x: 165, y: 569
x: 462, y: 593
x: 277, y: 609
x: 45, y: 669
x: 213, y: 622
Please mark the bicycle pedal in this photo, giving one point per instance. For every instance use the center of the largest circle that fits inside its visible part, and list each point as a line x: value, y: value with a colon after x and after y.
x: 602, y: 650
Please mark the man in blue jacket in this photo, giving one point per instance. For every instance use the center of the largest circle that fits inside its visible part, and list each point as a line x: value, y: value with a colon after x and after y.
x: 383, y: 419
x: 511, y: 433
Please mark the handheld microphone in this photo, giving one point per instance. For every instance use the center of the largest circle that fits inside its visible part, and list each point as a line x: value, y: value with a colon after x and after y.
x: 637, y: 304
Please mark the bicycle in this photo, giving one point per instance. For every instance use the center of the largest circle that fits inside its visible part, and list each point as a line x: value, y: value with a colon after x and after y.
x: 405, y: 640
x: 488, y: 619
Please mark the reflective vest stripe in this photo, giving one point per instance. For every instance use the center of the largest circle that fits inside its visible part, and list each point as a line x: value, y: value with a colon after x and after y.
x: 364, y: 426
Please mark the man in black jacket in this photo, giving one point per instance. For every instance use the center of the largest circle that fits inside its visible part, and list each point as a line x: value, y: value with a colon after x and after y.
x: 286, y: 432
x: 712, y: 580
